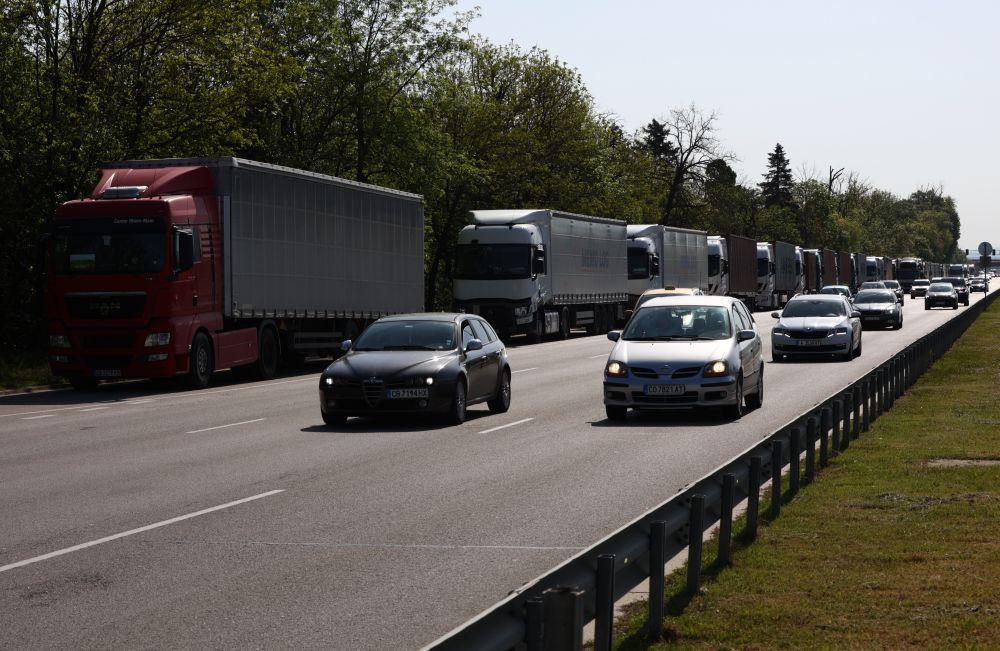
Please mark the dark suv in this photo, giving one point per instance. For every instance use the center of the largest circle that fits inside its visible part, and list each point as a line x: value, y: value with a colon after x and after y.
x: 958, y: 283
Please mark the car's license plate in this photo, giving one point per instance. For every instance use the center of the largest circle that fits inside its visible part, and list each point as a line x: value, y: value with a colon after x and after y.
x: 407, y: 393
x: 870, y: 318
x: 664, y: 389
x: 107, y: 372
x: 811, y: 342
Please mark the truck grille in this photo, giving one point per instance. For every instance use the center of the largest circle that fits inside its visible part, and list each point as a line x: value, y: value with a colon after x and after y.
x: 107, y: 341
x: 108, y: 361
x: 106, y: 306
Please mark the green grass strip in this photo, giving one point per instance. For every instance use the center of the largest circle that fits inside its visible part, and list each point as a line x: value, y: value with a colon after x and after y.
x: 888, y: 549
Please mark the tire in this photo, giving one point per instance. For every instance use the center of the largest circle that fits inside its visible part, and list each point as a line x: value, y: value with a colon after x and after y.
x: 955, y: 306
x: 857, y: 351
x: 735, y: 411
x: 333, y: 420
x: 926, y: 306
x: 564, y: 323
x: 849, y: 355
x: 615, y: 412
x: 898, y: 324
x: 202, y: 362
x: 82, y: 382
x: 777, y: 357
x: 501, y: 401
x: 756, y: 399
x: 268, y: 354
x: 457, y: 410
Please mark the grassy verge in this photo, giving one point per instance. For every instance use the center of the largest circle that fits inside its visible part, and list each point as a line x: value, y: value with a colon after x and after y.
x: 26, y: 370
x: 889, y: 549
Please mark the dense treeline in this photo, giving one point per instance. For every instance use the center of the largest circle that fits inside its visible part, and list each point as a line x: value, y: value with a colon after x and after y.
x: 392, y: 92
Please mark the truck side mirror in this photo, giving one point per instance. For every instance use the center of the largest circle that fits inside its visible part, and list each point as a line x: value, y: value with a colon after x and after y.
x: 183, y: 250
x: 655, y: 267
x: 538, y: 264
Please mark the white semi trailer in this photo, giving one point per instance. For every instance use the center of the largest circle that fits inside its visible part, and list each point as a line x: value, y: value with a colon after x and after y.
x: 542, y: 272
x: 663, y: 256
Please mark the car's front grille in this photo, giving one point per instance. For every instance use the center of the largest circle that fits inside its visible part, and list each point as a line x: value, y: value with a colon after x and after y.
x: 373, y: 391
x: 683, y: 373
x: 106, y: 306
x: 642, y: 399
x: 811, y: 349
x: 646, y: 373
x: 808, y: 334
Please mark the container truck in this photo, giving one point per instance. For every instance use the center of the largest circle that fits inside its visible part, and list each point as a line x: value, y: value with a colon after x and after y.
x: 541, y: 272
x: 908, y: 270
x: 957, y: 270
x: 784, y: 278
x: 829, y: 266
x: 662, y: 256
x: 874, y: 268
x: 765, y: 275
x: 888, y: 268
x: 184, y: 266
x: 845, y: 271
x: 732, y: 265
x: 813, y: 263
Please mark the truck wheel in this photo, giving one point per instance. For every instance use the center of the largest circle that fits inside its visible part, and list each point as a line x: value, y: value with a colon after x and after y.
x: 267, y: 354
x: 564, y: 323
x: 501, y: 401
x: 202, y: 362
x: 82, y: 382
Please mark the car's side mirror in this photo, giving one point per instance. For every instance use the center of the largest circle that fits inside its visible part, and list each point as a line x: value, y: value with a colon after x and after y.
x: 855, y: 314
x: 745, y: 335
x: 473, y: 345
x: 775, y: 315
x: 615, y: 335
x: 345, y: 345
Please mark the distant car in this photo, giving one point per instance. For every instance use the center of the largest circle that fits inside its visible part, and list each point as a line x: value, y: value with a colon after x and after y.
x: 685, y: 352
x: 418, y: 363
x: 879, y: 307
x: 842, y: 290
x: 872, y: 284
x: 979, y: 284
x: 919, y: 287
x: 816, y: 325
x: 896, y: 288
x: 941, y: 294
x: 961, y: 287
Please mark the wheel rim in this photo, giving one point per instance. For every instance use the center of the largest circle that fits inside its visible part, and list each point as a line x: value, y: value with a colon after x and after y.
x: 460, y: 401
x: 505, y: 391
x: 202, y: 361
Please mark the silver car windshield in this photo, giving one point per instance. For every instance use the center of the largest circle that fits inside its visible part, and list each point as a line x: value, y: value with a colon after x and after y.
x: 678, y: 323
x: 813, y: 308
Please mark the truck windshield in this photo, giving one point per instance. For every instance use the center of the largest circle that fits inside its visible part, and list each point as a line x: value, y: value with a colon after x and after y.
x: 638, y: 264
x: 117, y: 245
x: 713, y: 264
x: 493, y: 261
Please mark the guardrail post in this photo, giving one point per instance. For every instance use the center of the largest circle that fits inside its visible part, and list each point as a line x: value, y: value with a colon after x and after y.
x: 794, y: 456
x: 856, y: 400
x: 563, y: 629
x: 753, y: 498
x: 845, y: 440
x: 879, y: 393
x: 604, y: 616
x: 836, y: 425
x: 726, y: 518
x: 696, y: 534
x: 868, y: 398
x: 810, y: 449
x: 825, y: 423
x: 776, y: 464
x: 534, y: 629
x: 892, y: 381
x: 657, y: 559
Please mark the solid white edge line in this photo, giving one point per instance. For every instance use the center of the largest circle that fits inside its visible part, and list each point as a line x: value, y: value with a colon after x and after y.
x: 516, y: 422
x: 131, y: 532
x: 93, y: 409
x: 596, y: 356
x: 523, y: 370
x: 208, y: 429
x: 37, y: 417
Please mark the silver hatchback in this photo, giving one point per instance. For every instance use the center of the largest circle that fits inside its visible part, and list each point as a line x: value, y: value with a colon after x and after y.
x: 684, y: 352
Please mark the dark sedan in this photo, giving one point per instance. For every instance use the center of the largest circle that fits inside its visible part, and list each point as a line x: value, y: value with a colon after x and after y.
x: 941, y: 295
x: 961, y: 287
x: 418, y: 363
x: 897, y: 289
x: 879, y: 307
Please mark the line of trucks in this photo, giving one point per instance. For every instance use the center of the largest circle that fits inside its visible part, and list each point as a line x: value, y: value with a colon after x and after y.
x: 180, y: 267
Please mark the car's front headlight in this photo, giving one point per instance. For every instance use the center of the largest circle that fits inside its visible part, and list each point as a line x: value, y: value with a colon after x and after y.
x: 59, y: 341
x: 841, y: 331
x: 781, y: 332
x: 334, y: 381
x: 716, y: 368
x: 157, y: 339
x: 616, y: 369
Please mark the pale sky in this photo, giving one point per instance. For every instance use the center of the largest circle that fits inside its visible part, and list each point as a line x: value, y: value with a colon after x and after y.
x: 904, y: 93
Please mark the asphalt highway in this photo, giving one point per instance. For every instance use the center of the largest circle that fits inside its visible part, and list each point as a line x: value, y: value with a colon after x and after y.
x: 141, y: 516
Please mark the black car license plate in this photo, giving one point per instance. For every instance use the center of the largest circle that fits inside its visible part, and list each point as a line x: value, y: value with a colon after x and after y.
x: 403, y: 394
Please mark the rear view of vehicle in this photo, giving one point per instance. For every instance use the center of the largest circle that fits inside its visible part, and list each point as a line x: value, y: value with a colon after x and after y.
x: 685, y: 352
x: 816, y: 325
x: 941, y: 294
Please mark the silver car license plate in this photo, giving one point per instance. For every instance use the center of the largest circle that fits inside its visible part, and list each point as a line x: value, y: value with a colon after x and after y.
x: 665, y: 389
x: 406, y: 393
x: 811, y: 342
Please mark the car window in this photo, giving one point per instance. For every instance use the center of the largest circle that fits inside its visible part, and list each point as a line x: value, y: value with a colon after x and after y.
x: 407, y: 335
x: 467, y: 334
x: 875, y: 296
x: 481, y: 334
x: 664, y: 323
x: 743, y: 321
x: 817, y: 308
x: 490, y: 332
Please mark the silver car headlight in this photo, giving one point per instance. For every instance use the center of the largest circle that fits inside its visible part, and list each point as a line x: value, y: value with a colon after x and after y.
x: 616, y: 369
x: 781, y: 332
x: 717, y: 368
x: 841, y: 331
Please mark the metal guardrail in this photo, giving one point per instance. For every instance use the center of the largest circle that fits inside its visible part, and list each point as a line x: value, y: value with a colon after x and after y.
x: 549, y: 612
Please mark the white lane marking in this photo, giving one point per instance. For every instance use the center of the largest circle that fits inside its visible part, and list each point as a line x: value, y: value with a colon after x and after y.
x: 354, y: 545
x: 194, y: 394
x: 138, y: 402
x: 208, y: 429
x: 525, y: 370
x: 132, y: 532
x: 516, y: 422
x: 94, y: 409
x: 37, y: 417
x: 601, y: 355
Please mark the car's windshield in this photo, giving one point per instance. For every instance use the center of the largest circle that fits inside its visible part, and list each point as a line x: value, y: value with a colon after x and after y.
x: 891, y: 284
x: 874, y: 284
x: 941, y: 287
x: 813, y: 307
x: 921, y: 283
x: 407, y: 335
x: 678, y: 322
x: 875, y: 297
x: 834, y: 290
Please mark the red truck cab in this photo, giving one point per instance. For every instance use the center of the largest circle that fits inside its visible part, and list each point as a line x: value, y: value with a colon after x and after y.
x: 135, y: 275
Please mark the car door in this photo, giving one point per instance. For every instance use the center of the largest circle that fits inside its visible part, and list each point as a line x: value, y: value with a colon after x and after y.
x: 750, y: 350
x: 474, y: 362
x: 491, y: 357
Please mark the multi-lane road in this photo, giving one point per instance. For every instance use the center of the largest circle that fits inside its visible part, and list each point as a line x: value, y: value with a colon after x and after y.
x: 139, y: 516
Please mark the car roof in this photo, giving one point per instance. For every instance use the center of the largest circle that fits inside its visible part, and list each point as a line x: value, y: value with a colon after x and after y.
x: 672, y: 291
x: 833, y: 287
x: 688, y: 299
x: 877, y: 290
x: 429, y: 316
x: 815, y: 297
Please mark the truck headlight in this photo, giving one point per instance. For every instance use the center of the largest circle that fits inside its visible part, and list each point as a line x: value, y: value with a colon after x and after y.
x: 524, y: 310
x: 716, y: 368
x: 58, y: 341
x: 157, y: 339
x: 616, y: 369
